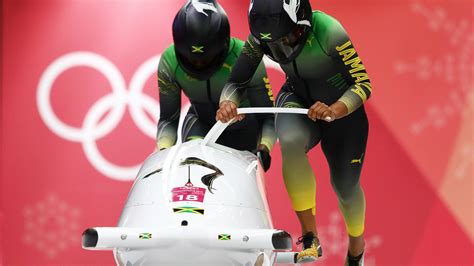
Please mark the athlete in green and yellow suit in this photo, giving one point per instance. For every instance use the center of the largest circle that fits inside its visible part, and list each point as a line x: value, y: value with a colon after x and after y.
x: 324, y: 74
x: 199, y: 64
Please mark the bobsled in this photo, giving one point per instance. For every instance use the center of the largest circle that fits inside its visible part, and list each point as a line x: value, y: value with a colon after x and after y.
x: 197, y: 203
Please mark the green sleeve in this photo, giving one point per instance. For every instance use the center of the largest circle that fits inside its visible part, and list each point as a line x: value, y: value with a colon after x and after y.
x: 170, y: 101
x: 341, y: 49
x: 243, y: 71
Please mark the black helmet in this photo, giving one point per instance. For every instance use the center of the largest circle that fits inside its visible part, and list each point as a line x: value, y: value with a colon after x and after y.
x: 201, y: 35
x: 280, y: 27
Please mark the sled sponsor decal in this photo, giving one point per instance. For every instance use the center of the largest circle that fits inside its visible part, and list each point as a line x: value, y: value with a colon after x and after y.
x: 194, y: 210
x: 189, y: 192
x: 144, y: 236
x: 206, y: 179
x: 223, y: 237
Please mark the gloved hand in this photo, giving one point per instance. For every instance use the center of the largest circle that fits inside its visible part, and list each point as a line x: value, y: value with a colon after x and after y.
x: 264, y: 157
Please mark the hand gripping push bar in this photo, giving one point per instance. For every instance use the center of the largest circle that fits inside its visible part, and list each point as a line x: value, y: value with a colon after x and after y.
x: 219, y: 127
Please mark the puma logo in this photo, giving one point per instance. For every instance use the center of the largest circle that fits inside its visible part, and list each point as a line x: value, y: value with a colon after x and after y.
x: 358, y: 160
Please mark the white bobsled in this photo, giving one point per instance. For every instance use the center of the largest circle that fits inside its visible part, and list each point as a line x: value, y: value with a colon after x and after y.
x: 197, y: 203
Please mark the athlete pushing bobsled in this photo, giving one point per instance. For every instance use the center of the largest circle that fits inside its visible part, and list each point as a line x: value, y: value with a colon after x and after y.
x: 199, y: 64
x: 325, y: 74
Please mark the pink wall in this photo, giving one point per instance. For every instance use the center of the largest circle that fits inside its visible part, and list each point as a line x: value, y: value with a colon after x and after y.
x: 418, y: 170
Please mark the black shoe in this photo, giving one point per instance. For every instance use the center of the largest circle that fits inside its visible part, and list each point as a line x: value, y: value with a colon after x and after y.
x: 311, y: 250
x: 354, y: 261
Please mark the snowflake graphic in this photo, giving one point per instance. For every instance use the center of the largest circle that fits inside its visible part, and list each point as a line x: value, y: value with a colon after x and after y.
x: 456, y: 69
x: 335, y: 243
x: 51, y: 225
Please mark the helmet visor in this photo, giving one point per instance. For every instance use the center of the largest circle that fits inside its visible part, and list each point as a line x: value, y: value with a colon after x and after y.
x: 201, y: 66
x: 287, y: 47
x: 201, y: 62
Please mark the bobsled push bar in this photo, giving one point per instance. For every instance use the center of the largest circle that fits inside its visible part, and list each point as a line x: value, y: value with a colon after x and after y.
x: 219, y: 127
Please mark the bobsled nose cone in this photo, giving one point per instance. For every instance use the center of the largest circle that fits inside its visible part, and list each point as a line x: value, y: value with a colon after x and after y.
x: 90, y: 237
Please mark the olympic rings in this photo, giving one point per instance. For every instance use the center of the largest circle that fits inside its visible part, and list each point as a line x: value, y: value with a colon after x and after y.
x: 115, y: 103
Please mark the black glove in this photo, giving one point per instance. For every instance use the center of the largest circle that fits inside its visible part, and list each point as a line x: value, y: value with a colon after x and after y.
x: 264, y: 158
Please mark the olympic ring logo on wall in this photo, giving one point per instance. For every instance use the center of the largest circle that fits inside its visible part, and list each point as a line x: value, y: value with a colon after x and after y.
x: 115, y: 104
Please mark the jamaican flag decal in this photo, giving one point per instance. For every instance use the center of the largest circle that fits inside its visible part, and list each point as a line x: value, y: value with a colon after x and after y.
x: 194, y: 210
x: 144, y: 236
x: 223, y: 237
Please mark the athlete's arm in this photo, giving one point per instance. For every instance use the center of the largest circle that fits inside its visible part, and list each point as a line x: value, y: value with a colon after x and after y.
x: 341, y: 49
x: 259, y: 93
x: 242, y: 73
x: 170, y: 106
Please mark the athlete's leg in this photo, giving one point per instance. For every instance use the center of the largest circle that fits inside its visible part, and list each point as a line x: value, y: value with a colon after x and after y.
x: 297, y: 134
x: 193, y: 128
x: 344, y: 144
